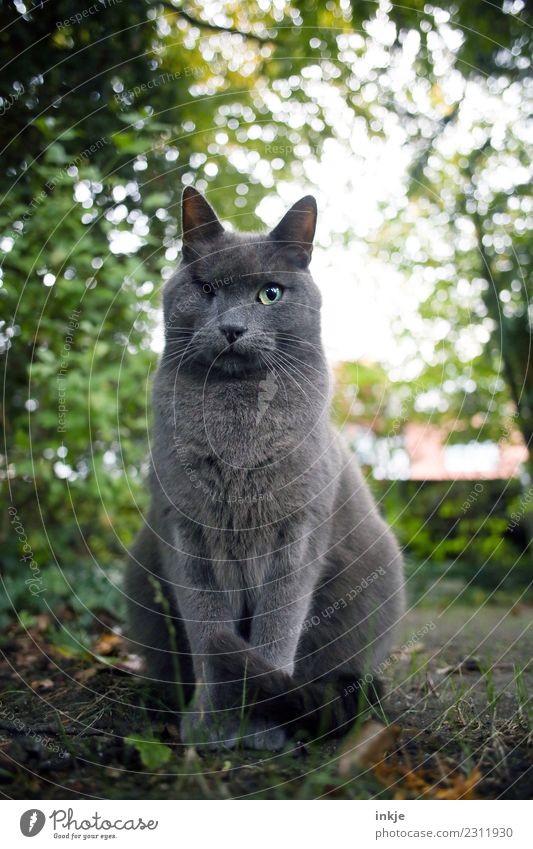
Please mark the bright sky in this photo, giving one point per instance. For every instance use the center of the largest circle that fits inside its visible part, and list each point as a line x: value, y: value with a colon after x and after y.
x: 361, y: 295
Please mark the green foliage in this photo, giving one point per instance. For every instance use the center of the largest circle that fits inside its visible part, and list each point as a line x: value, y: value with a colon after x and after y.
x: 152, y: 753
x: 457, y: 538
x: 104, y: 157
x: 107, y: 115
x: 362, y: 394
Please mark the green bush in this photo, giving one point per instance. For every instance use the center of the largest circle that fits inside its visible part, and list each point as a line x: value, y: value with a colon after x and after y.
x: 457, y: 538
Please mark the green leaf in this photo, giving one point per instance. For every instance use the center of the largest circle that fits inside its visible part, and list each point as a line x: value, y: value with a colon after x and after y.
x: 152, y: 753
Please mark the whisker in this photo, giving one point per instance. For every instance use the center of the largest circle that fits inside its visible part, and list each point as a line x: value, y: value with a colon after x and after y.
x: 179, y: 353
x: 272, y: 370
x: 285, y: 371
x: 297, y: 340
x: 171, y: 326
x: 293, y: 368
x: 303, y: 362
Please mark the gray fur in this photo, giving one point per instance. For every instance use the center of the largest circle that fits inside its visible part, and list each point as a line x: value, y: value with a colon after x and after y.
x: 261, y: 524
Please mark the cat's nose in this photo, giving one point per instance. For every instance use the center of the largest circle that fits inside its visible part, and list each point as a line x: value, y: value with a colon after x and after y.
x: 232, y: 331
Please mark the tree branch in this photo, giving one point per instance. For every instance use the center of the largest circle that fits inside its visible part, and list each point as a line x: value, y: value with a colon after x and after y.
x: 492, y: 303
x: 186, y: 16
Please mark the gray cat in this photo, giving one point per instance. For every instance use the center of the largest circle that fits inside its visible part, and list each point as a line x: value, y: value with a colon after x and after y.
x: 264, y: 586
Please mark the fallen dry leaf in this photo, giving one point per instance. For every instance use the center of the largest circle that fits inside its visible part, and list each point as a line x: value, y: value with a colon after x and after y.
x: 85, y: 675
x: 406, y: 652
x: 366, y: 746
x: 108, y: 644
x: 131, y: 663
x: 461, y: 786
x: 43, y: 684
x: 469, y: 664
x: 422, y: 783
x: 43, y: 621
x: 173, y: 731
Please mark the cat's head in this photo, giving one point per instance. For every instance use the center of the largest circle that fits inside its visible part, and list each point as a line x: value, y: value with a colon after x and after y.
x: 240, y: 302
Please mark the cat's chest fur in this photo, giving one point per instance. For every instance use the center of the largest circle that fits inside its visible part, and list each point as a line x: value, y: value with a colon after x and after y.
x: 235, y: 438
x: 236, y: 462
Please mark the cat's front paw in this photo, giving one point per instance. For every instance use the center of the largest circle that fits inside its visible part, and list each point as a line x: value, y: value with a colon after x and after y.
x: 208, y: 731
x: 208, y: 723
x: 260, y: 735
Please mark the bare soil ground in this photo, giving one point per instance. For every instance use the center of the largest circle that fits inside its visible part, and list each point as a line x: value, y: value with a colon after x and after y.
x: 457, y: 723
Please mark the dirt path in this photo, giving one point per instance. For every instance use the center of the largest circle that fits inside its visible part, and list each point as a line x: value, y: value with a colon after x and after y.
x: 460, y: 724
x: 462, y: 689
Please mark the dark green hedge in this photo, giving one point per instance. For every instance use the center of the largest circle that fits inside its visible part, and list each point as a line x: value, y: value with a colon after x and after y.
x: 459, y: 536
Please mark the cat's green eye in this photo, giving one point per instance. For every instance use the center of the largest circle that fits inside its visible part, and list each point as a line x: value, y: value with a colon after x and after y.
x: 270, y: 295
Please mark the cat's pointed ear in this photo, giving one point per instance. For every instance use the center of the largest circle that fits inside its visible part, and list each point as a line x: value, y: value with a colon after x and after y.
x: 296, y: 229
x: 199, y: 222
